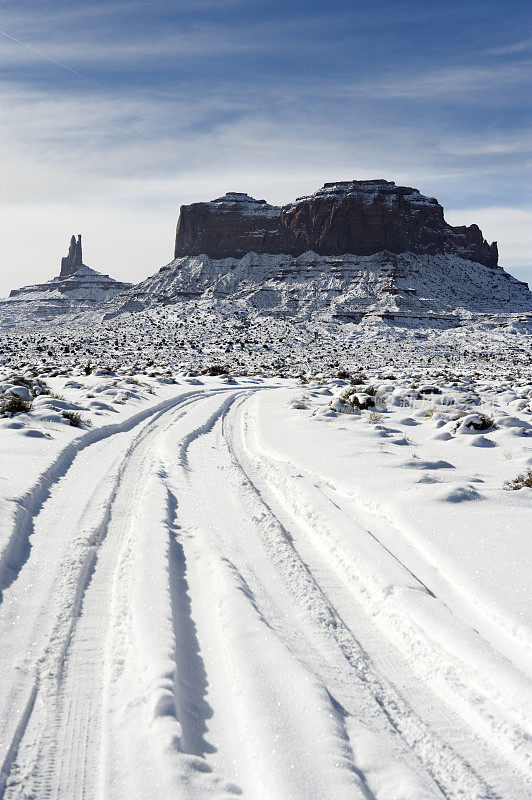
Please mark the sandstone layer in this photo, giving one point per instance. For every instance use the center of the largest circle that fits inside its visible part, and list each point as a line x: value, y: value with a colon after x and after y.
x: 349, y: 217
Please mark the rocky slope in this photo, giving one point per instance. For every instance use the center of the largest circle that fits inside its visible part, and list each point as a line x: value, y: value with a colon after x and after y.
x: 76, y: 289
x: 348, y: 217
x: 352, y: 252
x: 438, y: 289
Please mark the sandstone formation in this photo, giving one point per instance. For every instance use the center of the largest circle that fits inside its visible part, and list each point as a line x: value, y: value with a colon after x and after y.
x: 77, y: 288
x: 349, y: 217
x: 74, y: 260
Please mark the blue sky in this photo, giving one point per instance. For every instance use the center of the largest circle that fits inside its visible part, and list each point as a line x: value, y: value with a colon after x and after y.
x: 155, y: 104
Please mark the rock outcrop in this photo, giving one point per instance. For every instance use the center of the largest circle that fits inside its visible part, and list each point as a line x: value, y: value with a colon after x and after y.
x: 77, y: 288
x: 349, y: 217
x: 74, y: 260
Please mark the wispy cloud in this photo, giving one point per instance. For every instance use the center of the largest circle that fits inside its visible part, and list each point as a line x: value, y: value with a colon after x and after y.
x: 36, y: 52
x: 509, y: 49
x: 206, y: 41
x: 442, y: 83
x: 488, y: 144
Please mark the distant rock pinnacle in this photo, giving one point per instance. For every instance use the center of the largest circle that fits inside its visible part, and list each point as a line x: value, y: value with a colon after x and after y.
x: 74, y: 260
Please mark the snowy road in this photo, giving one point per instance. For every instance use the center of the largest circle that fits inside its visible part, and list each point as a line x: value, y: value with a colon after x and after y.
x: 198, y: 616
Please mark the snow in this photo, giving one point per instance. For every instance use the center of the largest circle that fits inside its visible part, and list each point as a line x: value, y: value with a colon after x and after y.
x: 244, y: 204
x: 368, y: 191
x: 403, y: 286
x: 72, y: 294
x: 250, y: 586
x: 260, y: 534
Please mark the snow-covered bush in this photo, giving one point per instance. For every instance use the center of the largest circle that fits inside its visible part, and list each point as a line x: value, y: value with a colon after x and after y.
x: 341, y: 406
x: 25, y: 387
x: 349, y: 401
x: 429, y: 389
x: 74, y: 418
x: 14, y: 404
x: 520, y: 481
x: 300, y: 402
x: 474, y: 422
x: 362, y: 401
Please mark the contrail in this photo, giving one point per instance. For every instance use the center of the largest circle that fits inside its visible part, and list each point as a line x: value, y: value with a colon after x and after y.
x: 53, y: 61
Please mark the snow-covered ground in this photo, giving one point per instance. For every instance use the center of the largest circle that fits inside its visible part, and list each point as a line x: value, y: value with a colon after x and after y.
x: 194, y: 334
x: 266, y: 587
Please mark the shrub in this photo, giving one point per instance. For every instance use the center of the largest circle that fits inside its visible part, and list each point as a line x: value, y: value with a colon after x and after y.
x: 362, y: 402
x: 20, y: 380
x: 343, y: 374
x: 371, y: 390
x: 216, y: 369
x: 34, y: 386
x: 478, y: 422
x: 520, y: 481
x: 300, y: 402
x: 374, y: 416
x: 358, y: 380
x: 350, y: 401
x: 341, y: 405
x: 74, y: 418
x: 14, y: 404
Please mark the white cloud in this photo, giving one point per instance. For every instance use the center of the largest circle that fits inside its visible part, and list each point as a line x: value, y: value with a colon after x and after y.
x: 204, y: 41
x: 510, y: 49
x: 488, y: 144
x: 460, y: 81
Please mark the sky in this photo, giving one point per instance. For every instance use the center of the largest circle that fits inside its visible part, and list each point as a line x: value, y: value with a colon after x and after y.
x: 113, y: 114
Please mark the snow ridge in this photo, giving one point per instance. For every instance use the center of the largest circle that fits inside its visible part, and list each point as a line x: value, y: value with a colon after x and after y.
x: 244, y: 204
x: 367, y: 191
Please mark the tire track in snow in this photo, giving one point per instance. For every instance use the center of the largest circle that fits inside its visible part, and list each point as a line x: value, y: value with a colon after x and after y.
x: 499, y: 740
x: 197, y: 612
x: 211, y: 536
x: 158, y: 649
x: 191, y: 679
x: 248, y: 725
x: 499, y: 630
x: 51, y: 665
x: 451, y: 773
x: 15, y: 549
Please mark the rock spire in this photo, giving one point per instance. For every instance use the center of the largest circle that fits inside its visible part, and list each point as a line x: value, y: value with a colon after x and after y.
x: 74, y: 260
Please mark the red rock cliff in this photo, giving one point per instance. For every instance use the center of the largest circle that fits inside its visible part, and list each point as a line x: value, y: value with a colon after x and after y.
x: 357, y: 217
